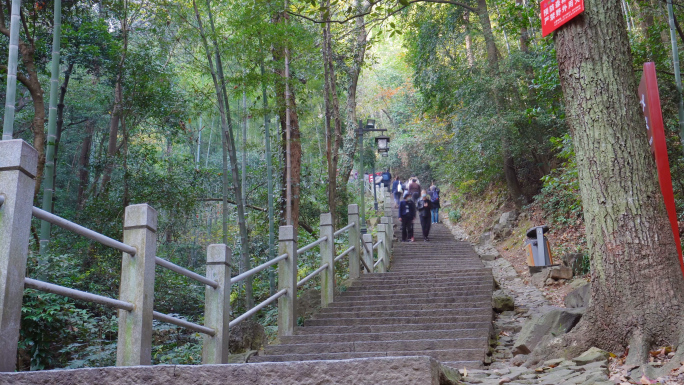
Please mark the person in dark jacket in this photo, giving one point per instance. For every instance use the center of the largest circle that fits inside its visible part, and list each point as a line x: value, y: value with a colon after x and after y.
x: 414, y: 189
x: 407, y: 213
x: 434, y: 195
x: 425, y: 211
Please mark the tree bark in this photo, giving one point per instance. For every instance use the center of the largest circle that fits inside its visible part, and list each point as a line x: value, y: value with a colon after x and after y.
x: 350, y: 140
x: 27, y: 50
x: 637, y: 287
x: 332, y: 119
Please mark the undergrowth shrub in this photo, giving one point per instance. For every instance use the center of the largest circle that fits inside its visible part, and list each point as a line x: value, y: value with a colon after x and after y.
x: 560, y: 196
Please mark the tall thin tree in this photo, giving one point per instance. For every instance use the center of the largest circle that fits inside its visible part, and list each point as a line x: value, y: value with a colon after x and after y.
x: 49, y: 184
x: 226, y: 122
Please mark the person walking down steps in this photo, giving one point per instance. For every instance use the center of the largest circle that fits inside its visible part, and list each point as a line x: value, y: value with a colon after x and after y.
x: 397, y: 191
x: 434, y: 197
x: 414, y: 189
x: 425, y: 213
x: 407, y: 213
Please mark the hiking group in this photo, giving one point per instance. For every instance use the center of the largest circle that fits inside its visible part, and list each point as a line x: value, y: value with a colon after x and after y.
x: 410, y: 198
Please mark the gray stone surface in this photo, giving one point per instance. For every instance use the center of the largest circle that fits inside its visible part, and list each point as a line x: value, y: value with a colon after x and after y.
x: 556, y: 321
x: 592, y: 355
x: 560, y: 272
x: 502, y: 302
x: 395, y: 370
x: 579, y: 297
x: 529, y: 302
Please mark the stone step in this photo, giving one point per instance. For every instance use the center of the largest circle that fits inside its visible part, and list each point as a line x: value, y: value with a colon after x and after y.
x: 418, y: 290
x: 441, y: 355
x: 411, y: 281
x: 459, y: 271
x: 463, y: 364
x: 378, y: 346
x: 415, y: 298
x: 487, y: 309
x: 385, y: 336
x: 420, y: 275
x: 479, y: 301
x: 419, y: 285
x: 398, y: 328
x: 398, y: 320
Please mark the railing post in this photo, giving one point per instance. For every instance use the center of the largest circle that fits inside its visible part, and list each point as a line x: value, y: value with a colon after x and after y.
x: 18, y: 162
x: 134, y: 345
x: 217, y: 305
x: 388, y: 230
x: 368, y: 251
x: 327, y: 256
x: 354, y: 240
x: 287, y: 279
x: 382, y: 249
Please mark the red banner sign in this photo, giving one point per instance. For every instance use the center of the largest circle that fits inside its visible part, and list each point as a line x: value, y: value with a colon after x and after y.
x: 649, y: 99
x: 555, y: 13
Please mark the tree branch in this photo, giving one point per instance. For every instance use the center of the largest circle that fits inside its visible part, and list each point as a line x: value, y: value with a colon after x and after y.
x: 233, y: 203
x: 679, y: 30
x: 370, y: 9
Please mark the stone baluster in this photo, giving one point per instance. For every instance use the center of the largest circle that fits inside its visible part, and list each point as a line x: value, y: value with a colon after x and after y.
x: 134, y: 345
x: 287, y: 279
x: 18, y: 163
x: 217, y: 305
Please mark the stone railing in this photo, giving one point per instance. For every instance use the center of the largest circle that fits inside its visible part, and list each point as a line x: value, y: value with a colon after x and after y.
x: 18, y: 163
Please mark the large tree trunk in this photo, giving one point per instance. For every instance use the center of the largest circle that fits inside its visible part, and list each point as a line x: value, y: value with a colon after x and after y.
x: 350, y: 140
x: 332, y: 119
x: 27, y: 50
x: 637, y: 287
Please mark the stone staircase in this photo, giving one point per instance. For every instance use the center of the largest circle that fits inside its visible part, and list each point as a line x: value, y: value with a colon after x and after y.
x: 434, y: 301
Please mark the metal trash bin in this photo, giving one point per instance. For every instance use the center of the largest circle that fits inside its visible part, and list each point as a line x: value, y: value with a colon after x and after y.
x: 538, y: 249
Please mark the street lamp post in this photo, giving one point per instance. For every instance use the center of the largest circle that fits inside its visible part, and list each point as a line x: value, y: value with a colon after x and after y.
x: 382, y: 142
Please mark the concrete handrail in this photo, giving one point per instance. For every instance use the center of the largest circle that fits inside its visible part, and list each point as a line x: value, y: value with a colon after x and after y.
x: 183, y: 323
x: 258, y: 307
x: 310, y: 276
x: 183, y: 271
x: 344, y: 253
x: 312, y: 245
x: 257, y: 269
x: 78, y: 229
x: 76, y: 294
x: 345, y: 228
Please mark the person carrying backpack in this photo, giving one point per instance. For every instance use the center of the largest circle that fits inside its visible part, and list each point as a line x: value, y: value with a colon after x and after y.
x: 434, y: 197
x: 407, y: 213
x: 386, y: 179
x: 424, y: 207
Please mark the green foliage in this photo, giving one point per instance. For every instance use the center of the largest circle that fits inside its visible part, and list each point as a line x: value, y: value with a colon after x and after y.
x: 454, y: 215
x: 560, y: 197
